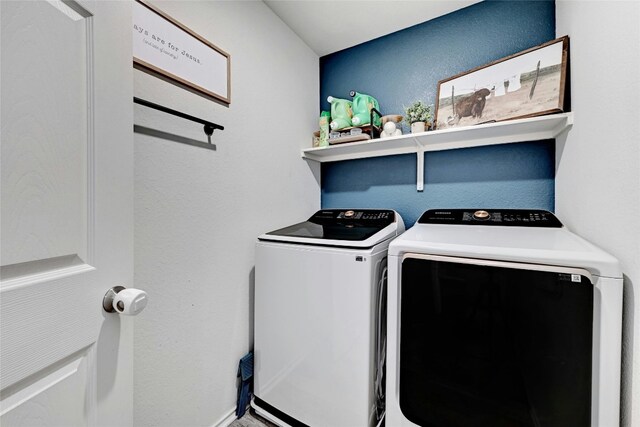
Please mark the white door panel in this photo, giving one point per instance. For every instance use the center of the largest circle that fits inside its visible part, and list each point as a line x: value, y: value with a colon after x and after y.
x: 44, y: 120
x: 66, y: 211
x: 44, y: 322
x: 45, y: 400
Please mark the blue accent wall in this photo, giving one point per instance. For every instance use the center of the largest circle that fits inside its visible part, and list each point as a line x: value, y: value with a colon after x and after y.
x: 406, y: 66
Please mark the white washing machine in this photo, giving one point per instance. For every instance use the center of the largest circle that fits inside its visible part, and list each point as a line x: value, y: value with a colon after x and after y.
x: 501, y: 318
x: 317, y: 297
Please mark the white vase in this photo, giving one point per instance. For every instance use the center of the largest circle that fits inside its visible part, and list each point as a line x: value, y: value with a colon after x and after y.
x: 417, y: 127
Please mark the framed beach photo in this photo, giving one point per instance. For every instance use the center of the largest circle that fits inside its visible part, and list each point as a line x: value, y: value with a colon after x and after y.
x: 526, y: 84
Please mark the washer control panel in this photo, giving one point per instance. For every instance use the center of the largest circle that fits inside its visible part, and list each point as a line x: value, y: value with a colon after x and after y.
x: 503, y: 217
x: 362, y: 216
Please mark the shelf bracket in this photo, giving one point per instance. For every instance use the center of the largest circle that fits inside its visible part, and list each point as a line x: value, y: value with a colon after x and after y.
x: 419, y: 165
x: 420, y: 173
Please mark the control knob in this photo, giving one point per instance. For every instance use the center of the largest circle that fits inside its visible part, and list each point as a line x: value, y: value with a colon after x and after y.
x: 481, y: 215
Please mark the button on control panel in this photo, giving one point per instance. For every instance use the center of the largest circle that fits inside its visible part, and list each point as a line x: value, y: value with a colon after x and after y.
x: 375, y: 215
x: 503, y: 217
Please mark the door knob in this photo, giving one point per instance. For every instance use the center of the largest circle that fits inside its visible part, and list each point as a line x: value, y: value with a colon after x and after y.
x: 124, y: 301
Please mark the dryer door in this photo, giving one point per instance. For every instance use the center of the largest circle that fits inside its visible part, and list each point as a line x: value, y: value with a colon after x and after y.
x: 485, y: 343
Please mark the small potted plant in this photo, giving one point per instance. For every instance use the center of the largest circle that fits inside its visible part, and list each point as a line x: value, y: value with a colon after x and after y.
x: 417, y: 115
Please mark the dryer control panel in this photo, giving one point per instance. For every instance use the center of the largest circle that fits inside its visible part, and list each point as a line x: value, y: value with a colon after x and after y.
x: 503, y: 217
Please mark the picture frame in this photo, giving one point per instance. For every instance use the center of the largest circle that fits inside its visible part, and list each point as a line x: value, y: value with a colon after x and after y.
x: 165, y: 47
x: 527, y: 84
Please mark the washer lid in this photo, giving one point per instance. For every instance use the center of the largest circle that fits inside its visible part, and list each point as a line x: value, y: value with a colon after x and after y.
x: 341, y: 227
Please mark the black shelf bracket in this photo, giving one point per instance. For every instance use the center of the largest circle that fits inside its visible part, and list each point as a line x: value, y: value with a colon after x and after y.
x: 209, y: 127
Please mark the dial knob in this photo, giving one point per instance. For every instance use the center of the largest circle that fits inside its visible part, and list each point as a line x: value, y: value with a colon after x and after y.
x: 481, y: 215
x: 349, y: 214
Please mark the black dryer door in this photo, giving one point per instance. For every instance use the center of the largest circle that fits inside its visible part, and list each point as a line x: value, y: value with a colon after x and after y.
x: 482, y: 345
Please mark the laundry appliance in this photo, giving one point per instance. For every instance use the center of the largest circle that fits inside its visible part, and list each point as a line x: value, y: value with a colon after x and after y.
x: 501, y: 318
x: 318, y: 337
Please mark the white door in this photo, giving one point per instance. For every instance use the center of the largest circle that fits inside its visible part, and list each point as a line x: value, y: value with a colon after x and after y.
x: 66, y: 215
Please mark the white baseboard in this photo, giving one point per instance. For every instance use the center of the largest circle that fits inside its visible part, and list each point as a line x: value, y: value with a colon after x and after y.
x: 226, y: 419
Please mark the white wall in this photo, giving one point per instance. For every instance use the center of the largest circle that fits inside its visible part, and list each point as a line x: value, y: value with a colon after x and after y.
x: 598, y: 171
x: 198, y: 212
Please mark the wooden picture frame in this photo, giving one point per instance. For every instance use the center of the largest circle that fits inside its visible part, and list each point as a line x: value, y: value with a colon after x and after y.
x: 166, y: 47
x: 527, y: 84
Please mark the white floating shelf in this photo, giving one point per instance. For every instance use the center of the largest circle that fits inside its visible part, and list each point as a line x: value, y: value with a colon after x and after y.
x: 521, y: 130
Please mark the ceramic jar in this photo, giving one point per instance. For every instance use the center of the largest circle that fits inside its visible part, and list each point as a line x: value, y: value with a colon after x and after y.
x: 417, y: 127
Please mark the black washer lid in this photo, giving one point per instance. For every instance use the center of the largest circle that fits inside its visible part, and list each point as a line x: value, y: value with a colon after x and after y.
x: 340, y: 224
x: 502, y: 217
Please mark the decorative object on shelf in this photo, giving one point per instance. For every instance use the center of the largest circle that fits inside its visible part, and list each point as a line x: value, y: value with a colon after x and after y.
x: 362, y: 105
x: 390, y: 129
x: 418, y: 127
x: 529, y: 83
x: 349, y: 138
x: 417, y: 116
x: 164, y: 46
x: 347, y: 135
x: 341, y: 113
x: 373, y: 129
x: 325, y: 117
x: 390, y: 126
x: 352, y: 134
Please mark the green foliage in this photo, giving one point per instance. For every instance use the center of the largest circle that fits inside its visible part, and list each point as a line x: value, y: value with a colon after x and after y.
x: 418, y: 112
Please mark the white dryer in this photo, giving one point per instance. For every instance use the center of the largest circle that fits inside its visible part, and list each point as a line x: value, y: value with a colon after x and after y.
x: 317, y: 298
x: 501, y: 318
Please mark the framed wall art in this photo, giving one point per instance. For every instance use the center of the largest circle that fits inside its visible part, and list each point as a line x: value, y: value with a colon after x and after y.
x: 526, y: 84
x: 164, y: 46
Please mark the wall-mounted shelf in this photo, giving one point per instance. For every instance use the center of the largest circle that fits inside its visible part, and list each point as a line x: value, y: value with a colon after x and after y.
x: 521, y: 130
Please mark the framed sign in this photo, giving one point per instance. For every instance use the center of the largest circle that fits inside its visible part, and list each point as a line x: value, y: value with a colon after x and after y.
x: 165, y: 46
x: 529, y: 83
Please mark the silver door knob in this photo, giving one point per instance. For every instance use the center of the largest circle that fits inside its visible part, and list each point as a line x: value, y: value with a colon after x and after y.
x: 124, y: 301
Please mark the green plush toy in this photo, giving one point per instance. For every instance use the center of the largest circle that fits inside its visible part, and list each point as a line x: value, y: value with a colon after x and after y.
x: 341, y: 113
x: 362, y: 105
